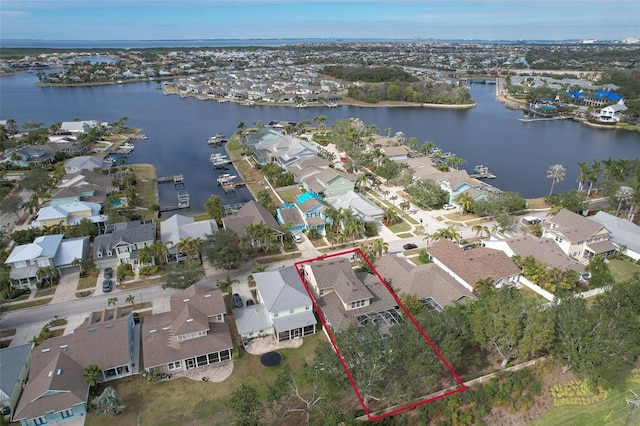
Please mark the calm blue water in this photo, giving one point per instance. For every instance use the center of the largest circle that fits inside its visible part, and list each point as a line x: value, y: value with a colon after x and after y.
x: 178, y: 128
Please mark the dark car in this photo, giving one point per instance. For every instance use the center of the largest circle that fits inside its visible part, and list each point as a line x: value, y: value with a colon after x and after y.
x: 106, y: 286
x: 237, y: 300
x: 108, y: 273
x: 409, y: 246
x: 250, y: 302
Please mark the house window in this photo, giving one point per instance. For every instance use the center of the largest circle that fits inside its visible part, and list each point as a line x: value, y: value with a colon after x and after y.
x: 99, y: 254
x: 109, y: 253
x: 21, y: 264
x: 40, y: 421
x: 43, y: 262
x: 67, y: 413
x: 220, y: 317
x: 174, y: 365
x: 357, y: 304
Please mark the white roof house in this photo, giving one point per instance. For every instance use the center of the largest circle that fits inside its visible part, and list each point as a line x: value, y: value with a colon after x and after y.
x: 83, y: 162
x: 359, y: 204
x: 80, y: 126
x: 179, y: 227
x: 69, y: 214
x: 623, y: 233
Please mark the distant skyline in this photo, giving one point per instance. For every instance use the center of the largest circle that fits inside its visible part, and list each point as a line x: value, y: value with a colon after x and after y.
x: 266, y: 19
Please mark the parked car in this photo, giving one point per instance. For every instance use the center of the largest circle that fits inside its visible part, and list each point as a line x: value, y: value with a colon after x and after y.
x: 448, y: 207
x: 106, y: 286
x: 237, y: 301
x: 297, y: 238
x: 250, y: 302
x: 409, y: 246
x: 108, y: 273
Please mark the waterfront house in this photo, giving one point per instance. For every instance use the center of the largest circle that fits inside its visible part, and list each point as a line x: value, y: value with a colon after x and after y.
x: 27, y: 156
x: 56, y: 390
x: 306, y: 167
x: 610, y: 114
x: 624, y: 234
x: 14, y: 369
x: 85, y: 162
x: 179, y: 228
x: 122, y: 242
x: 253, y: 213
x: 290, y: 216
x: 428, y: 282
x: 344, y: 296
x: 83, y: 186
x: 82, y: 126
x: 69, y: 214
x: 44, y: 251
x: 579, y: 236
x: 284, y: 308
x: 192, y: 334
x: 470, y: 266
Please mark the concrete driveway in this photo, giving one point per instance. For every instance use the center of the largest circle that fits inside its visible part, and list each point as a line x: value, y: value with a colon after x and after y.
x: 67, y: 287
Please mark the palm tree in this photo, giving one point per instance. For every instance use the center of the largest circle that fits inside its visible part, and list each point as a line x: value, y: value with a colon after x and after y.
x: 361, y: 182
x: 405, y: 206
x: 583, y: 176
x: 413, y: 143
x: 393, y: 199
x: 593, y: 175
x: 624, y: 194
x: 378, y: 247
x: 480, y: 230
x: 241, y: 126
x: 556, y: 173
x: 92, y: 374
x: 388, y: 130
x: 130, y: 299
x: 484, y: 286
x: 226, y: 284
x: 46, y: 273
x: 256, y: 269
x: 184, y: 246
x: 112, y: 301
x: 145, y: 256
x: 161, y: 250
x: 465, y: 202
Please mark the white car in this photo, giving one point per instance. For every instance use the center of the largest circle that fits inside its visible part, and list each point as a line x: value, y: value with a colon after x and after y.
x: 297, y: 238
x: 448, y: 207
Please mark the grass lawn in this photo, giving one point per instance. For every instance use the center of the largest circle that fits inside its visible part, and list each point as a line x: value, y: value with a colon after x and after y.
x: 406, y: 235
x: 185, y: 401
x: 142, y: 283
x: 400, y: 227
x: 613, y: 411
x: 201, y: 216
x: 416, y: 260
x: 88, y: 281
x: 85, y: 293
x: 273, y: 259
x: 623, y: 269
x: 49, y: 291
x: 29, y: 304
x: 146, y: 188
x: 289, y: 195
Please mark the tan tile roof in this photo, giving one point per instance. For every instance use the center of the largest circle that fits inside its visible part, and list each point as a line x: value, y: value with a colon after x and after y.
x: 544, y: 250
x: 422, y: 281
x: 338, y: 274
x: 574, y: 227
x: 251, y: 213
x: 291, y: 216
x: 55, y: 383
x: 159, y: 331
x: 475, y: 264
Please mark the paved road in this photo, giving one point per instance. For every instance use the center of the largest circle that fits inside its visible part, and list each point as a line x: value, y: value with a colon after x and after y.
x: 26, y: 317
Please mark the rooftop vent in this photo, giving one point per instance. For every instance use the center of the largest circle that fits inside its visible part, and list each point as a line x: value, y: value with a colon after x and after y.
x: 46, y: 350
x: 64, y: 346
x: 207, y: 295
x: 186, y: 300
x: 190, y: 320
x: 59, y: 372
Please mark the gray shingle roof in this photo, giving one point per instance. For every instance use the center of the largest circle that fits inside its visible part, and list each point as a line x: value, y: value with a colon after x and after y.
x: 281, y: 289
x: 12, y: 360
x: 573, y: 226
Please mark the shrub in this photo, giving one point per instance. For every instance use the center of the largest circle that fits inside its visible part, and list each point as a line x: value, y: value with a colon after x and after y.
x: 577, y: 392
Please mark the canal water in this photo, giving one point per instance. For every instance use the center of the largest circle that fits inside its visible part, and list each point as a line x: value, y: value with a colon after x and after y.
x: 518, y: 153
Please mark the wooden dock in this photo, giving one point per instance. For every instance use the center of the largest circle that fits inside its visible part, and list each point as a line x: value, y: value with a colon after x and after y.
x: 482, y: 172
x: 175, y: 179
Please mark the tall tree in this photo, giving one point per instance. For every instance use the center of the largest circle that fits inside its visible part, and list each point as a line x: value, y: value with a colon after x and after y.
x: 556, y: 173
x: 247, y: 406
x: 225, y: 250
x: 624, y: 194
x: 11, y: 204
x: 181, y: 275
x: 92, y: 375
x: 215, y: 208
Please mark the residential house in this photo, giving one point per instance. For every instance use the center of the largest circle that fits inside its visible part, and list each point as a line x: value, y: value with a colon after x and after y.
x: 27, y: 156
x: 45, y: 251
x: 312, y: 208
x: 610, y: 113
x: 85, y: 162
x: 344, y: 297
x: 69, y: 214
x: 544, y: 250
x: 179, y: 227
x: 428, y: 282
x: 624, y: 234
x: 360, y: 205
x: 252, y: 213
x: 56, y: 390
x: 579, y: 236
x: 83, y: 126
x: 192, y: 334
x: 394, y: 152
x: 329, y: 183
x: 289, y: 216
x: 306, y: 167
x: 470, y: 266
x: 14, y: 368
x: 122, y: 242
x: 85, y: 185
x: 284, y: 308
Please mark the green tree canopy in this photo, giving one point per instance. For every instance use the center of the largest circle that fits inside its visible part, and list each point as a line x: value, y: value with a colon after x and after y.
x: 225, y: 250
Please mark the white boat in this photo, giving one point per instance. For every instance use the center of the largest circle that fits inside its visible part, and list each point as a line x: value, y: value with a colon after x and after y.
x: 217, y: 157
x: 226, y: 178
x: 128, y: 146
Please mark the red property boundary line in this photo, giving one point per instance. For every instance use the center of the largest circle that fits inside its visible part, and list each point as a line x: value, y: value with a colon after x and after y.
x: 370, y: 416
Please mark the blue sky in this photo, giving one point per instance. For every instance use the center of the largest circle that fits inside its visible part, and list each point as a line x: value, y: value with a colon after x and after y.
x: 231, y: 19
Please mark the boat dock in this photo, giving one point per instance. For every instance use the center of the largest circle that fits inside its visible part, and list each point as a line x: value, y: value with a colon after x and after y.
x: 529, y: 120
x: 183, y: 203
x: 230, y: 187
x: 176, y: 179
x: 482, y: 172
